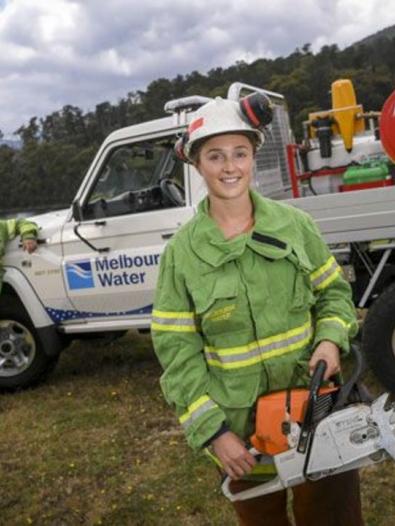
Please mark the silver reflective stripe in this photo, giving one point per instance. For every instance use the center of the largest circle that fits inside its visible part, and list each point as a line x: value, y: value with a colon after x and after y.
x: 259, y: 351
x: 317, y: 281
x: 234, y: 357
x: 289, y: 341
x: 194, y: 415
x: 173, y: 321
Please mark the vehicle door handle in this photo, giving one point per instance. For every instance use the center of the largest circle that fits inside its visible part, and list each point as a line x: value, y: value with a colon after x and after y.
x: 168, y: 236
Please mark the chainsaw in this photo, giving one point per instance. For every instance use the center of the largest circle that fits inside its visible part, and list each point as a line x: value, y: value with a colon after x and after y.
x: 308, y: 434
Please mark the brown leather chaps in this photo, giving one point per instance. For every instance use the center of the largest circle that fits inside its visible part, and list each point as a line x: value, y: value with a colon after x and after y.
x: 332, y: 501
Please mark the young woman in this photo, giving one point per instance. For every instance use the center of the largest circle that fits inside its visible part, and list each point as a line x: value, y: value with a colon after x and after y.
x: 248, y: 300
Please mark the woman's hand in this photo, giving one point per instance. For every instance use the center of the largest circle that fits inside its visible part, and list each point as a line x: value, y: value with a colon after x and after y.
x: 233, y: 455
x: 329, y: 352
x: 29, y: 245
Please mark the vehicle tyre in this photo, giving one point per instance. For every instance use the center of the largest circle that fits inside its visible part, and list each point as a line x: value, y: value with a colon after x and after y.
x: 23, y: 361
x: 378, y: 338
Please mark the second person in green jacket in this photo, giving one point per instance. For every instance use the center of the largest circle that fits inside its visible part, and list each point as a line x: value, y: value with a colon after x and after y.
x: 11, y: 228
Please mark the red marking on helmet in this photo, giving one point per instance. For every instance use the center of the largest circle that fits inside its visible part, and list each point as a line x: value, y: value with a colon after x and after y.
x: 250, y: 112
x: 198, y: 123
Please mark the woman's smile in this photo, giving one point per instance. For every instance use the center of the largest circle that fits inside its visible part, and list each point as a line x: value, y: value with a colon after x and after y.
x: 230, y: 180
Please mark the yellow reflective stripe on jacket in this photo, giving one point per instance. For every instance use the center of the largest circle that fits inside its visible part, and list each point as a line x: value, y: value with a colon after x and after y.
x: 334, y: 319
x: 264, y: 349
x: 196, y: 409
x: 325, y: 274
x: 173, y: 321
x: 213, y: 457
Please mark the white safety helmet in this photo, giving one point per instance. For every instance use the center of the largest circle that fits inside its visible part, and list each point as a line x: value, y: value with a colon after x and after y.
x: 220, y: 116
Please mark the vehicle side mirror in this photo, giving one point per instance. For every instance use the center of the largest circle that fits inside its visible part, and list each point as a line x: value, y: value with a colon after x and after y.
x: 77, y: 211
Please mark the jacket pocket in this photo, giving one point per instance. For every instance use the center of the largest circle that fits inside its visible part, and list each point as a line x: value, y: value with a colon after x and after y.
x: 219, y: 304
x: 235, y: 390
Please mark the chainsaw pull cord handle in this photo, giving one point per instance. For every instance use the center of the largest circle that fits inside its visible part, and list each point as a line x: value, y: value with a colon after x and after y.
x: 308, y: 421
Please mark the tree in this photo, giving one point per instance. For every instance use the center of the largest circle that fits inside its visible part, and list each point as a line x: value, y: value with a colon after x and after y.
x: 30, y: 133
x: 58, y: 148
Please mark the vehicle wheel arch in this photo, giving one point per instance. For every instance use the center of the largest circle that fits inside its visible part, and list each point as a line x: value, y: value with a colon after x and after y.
x: 27, y: 353
x: 378, y: 336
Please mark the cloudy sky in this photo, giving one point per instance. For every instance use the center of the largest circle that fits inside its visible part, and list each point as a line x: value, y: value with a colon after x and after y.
x: 83, y: 52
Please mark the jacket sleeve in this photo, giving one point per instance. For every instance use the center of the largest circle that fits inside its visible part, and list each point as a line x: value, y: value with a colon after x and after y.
x: 334, y: 312
x: 26, y: 229
x: 179, y: 347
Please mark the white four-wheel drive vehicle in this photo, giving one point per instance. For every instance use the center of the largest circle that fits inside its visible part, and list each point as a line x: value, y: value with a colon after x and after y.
x: 96, y: 266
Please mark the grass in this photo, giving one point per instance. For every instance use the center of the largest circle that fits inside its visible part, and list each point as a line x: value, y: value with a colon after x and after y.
x: 97, y: 445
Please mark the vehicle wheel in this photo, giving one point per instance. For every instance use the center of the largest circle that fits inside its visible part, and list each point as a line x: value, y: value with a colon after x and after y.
x: 23, y: 361
x: 378, y: 338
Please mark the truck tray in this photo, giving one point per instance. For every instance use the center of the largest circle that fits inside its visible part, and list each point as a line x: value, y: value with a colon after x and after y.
x: 364, y: 215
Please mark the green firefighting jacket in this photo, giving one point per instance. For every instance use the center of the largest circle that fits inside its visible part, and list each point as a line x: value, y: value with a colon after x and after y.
x: 9, y: 229
x: 235, y: 319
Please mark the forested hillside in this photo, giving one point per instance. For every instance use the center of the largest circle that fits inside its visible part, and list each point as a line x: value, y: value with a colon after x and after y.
x: 58, y: 148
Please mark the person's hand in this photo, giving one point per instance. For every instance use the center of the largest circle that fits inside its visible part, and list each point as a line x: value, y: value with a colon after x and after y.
x: 329, y: 352
x: 29, y: 245
x: 233, y: 455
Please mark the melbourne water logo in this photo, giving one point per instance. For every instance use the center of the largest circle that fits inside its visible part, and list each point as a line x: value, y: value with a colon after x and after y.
x: 80, y: 275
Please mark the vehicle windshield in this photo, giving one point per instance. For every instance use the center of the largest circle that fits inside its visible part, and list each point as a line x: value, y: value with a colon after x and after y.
x: 136, y: 178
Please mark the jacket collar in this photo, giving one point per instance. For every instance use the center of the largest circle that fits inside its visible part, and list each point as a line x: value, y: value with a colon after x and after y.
x: 266, y: 239
x: 271, y: 230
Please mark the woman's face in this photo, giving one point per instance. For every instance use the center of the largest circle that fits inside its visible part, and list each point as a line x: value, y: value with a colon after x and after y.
x: 226, y: 164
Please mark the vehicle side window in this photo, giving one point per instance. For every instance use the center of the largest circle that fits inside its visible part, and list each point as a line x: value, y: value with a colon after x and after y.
x: 137, y: 178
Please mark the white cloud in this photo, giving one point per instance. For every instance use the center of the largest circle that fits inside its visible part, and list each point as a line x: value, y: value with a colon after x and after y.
x: 83, y: 52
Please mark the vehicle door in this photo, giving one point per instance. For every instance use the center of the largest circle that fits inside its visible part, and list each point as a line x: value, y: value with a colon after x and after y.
x: 137, y: 201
